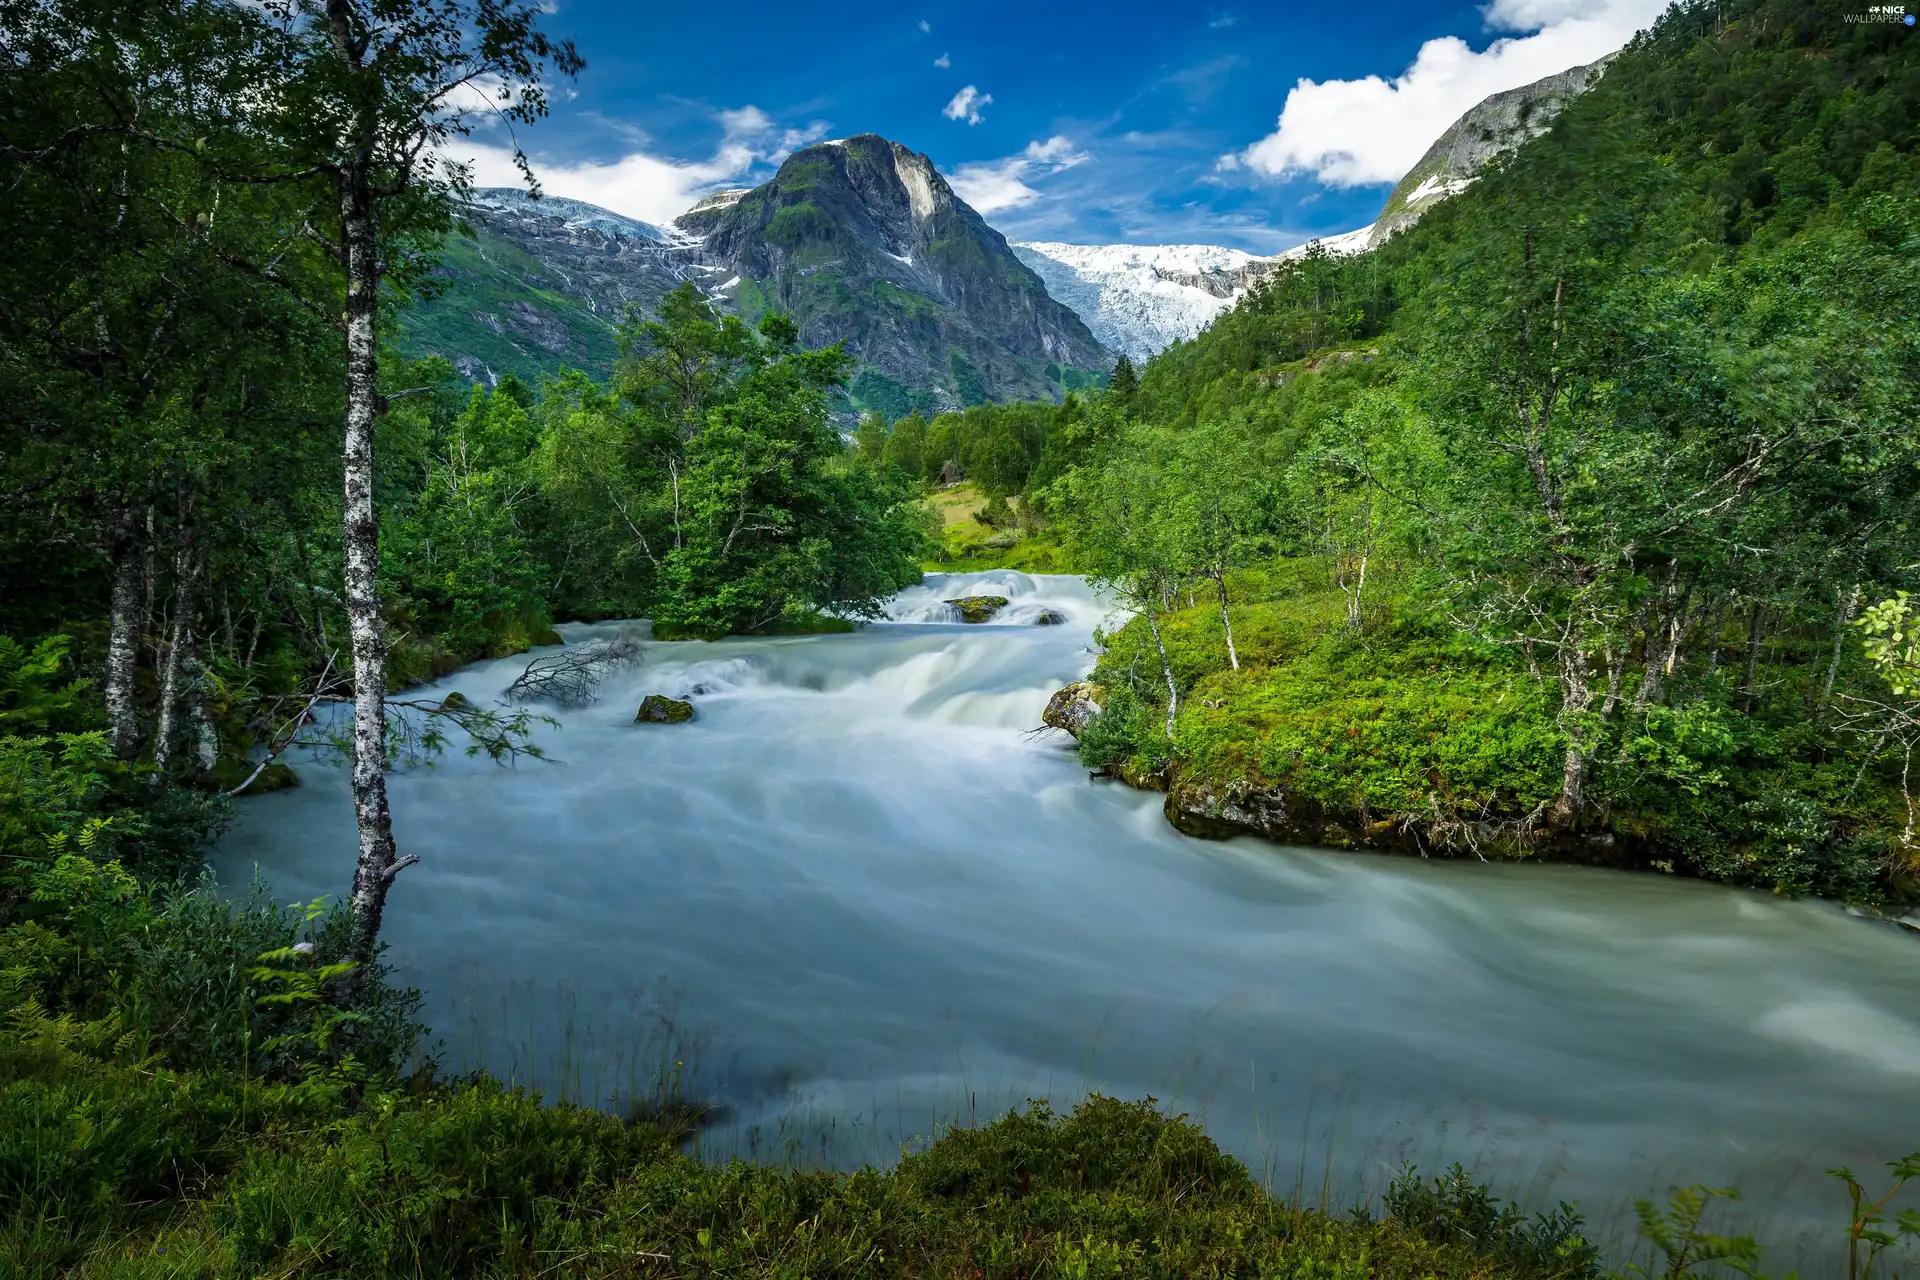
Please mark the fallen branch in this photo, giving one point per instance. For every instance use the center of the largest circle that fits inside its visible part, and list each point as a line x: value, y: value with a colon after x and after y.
x: 571, y: 678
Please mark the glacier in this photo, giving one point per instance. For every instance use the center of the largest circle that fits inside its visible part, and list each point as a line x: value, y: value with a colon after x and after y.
x: 1141, y: 299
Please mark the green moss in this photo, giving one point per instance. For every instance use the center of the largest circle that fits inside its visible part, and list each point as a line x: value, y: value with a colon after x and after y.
x: 978, y: 608
x: 658, y: 708
x: 229, y: 772
x: 1401, y: 719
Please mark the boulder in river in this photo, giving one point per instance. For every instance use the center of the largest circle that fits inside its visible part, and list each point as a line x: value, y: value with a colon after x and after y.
x: 978, y: 608
x: 1074, y: 706
x: 658, y: 708
x: 1051, y: 618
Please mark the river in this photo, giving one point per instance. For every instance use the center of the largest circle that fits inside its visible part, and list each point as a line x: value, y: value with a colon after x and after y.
x: 858, y: 896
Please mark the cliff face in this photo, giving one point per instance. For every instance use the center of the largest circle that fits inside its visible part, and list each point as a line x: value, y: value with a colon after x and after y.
x: 862, y: 241
x: 1493, y: 127
x: 543, y: 284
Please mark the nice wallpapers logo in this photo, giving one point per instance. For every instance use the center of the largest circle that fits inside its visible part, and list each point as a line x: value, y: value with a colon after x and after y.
x: 1895, y: 13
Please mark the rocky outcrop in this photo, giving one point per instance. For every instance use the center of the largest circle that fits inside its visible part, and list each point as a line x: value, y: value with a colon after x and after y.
x: 658, y: 708
x: 978, y: 608
x: 862, y: 241
x: 1493, y: 127
x: 1074, y: 707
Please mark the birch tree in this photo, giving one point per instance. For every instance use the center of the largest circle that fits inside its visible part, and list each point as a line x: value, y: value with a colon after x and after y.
x: 363, y: 97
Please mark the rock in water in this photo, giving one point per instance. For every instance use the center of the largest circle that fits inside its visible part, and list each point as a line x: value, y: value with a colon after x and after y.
x: 1074, y: 706
x: 978, y: 608
x: 658, y: 708
x: 1051, y: 618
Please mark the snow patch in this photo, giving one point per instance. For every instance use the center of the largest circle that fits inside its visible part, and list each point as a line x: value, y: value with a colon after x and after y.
x: 912, y: 172
x: 1434, y: 187
x: 576, y: 215
x: 1347, y: 242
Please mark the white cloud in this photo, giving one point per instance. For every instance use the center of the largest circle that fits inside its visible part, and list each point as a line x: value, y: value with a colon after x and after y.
x: 650, y: 187
x: 992, y: 185
x: 966, y: 105
x: 926, y: 28
x: 943, y: 62
x: 1354, y: 132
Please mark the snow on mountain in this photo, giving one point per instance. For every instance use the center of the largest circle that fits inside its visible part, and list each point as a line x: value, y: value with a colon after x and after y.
x: 1141, y: 299
x: 576, y: 215
x: 1123, y: 291
x: 1347, y: 242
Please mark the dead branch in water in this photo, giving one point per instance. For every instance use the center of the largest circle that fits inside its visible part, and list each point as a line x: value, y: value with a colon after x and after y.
x: 571, y: 678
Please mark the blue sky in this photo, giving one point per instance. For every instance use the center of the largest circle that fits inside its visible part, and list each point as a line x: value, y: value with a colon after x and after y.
x: 1251, y: 125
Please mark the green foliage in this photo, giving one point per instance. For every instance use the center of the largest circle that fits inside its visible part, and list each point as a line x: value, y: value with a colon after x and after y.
x: 1590, y: 467
x: 1453, y: 1209
x: 479, y: 1182
x: 712, y: 493
x: 1679, y: 1233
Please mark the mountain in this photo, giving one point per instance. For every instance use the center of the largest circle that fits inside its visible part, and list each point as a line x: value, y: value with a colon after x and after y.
x: 1492, y: 127
x: 1141, y: 299
x: 542, y: 284
x: 862, y: 241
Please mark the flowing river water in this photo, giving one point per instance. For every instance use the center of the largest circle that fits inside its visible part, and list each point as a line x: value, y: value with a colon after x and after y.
x: 858, y: 897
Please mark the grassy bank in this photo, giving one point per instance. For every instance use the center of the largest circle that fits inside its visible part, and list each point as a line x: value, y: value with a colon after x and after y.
x: 1405, y: 733
x: 115, y: 1170
x: 975, y: 533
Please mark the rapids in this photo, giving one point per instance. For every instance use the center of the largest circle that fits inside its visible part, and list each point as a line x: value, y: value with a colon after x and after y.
x: 858, y: 897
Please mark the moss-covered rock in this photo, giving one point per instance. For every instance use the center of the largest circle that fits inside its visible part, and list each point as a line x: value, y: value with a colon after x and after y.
x: 658, y: 708
x: 1051, y: 618
x: 978, y: 608
x: 455, y: 701
x: 1074, y: 706
x: 544, y: 637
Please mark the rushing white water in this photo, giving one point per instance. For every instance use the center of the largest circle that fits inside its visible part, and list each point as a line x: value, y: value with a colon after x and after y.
x: 877, y: 900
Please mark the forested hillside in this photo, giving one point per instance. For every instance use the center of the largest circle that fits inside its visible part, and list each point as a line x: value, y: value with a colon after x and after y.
x: 1579, y: 518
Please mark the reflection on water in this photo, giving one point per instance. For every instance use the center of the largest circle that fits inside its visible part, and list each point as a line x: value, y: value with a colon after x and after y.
x: 862, y: 898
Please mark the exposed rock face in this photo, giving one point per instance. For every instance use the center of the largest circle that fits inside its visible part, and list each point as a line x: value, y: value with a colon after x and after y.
x: 544, y: 283
x: 1074, y: 706
x: 658, y: 708
x: 978, y: 608
x: 862, y: 241
x: 1493, y: 127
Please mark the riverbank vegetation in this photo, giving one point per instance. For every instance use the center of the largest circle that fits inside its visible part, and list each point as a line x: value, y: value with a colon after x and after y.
x: 222, y: 510
x: 1550, y: 525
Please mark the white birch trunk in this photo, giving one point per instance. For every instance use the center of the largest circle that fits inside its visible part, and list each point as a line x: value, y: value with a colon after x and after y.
x: 123, y: 639
x: 375, y: 865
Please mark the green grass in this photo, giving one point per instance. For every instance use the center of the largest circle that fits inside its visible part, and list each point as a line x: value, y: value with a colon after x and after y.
x: 117, y: 1172
x: 1408, y: 729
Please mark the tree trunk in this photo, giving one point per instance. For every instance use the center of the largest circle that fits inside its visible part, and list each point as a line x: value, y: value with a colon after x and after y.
x: 1166, y: 669
x: 1226, y: 622
x: 178, y: 665
x: 1354, y: 596
x: 123, y: 637
x: 360, y: 536
x: 1755, y: 633
x: 1847, y: 606
x: 1576, y: 697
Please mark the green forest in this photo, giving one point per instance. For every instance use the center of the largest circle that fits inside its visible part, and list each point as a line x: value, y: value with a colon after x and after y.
x: 1578, y: 520
x: 1575, y: 522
